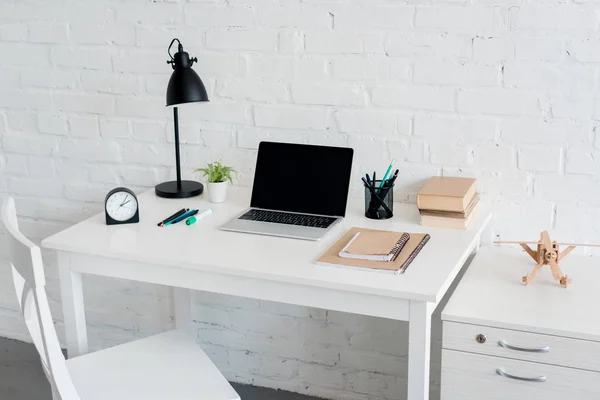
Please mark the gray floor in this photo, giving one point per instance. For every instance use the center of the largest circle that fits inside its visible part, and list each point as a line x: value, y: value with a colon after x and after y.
x: 22, y: 378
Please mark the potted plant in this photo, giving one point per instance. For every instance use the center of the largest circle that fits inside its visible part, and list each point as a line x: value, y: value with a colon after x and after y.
x: 217, y: 176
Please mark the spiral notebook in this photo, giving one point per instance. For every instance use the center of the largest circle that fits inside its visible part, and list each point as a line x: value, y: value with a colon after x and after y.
x: 409, y: 252
x: 375, y: 246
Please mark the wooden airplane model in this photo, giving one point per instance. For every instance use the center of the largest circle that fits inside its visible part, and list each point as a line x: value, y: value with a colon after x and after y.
x: 548, y: 253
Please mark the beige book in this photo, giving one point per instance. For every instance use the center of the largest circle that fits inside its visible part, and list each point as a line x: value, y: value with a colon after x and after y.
x: 452, y: 214
x: 398, y: 265
x: 444, y: 222
x: 446, y: 194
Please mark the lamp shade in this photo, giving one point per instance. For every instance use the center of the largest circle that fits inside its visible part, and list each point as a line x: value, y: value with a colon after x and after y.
x: 185, y: 86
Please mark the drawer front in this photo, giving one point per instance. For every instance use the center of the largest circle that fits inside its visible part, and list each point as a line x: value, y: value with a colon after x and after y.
x: 520, y: 345
x: 467, y: 376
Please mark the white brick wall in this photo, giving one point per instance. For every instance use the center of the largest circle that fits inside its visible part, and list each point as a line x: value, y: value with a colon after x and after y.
x: 502, y: 90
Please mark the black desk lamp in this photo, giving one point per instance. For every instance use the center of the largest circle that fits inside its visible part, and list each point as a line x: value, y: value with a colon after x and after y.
x: 185, y: 86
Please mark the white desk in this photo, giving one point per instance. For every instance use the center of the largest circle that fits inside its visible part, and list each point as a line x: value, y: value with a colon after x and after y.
x: 201, y: 257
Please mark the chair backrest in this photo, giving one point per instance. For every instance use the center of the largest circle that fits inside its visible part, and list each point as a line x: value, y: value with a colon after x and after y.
x: 29, y: 281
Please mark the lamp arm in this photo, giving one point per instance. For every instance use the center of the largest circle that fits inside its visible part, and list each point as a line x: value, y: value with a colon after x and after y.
x: 177, y: 156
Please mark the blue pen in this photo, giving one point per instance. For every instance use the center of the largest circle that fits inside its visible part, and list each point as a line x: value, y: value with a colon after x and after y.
x: 182, y: 217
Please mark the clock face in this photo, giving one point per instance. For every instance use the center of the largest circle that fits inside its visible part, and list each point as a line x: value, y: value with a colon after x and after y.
x: 121, y: 206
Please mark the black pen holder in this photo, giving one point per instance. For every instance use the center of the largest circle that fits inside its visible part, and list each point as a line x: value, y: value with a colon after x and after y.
x: 379, y: 201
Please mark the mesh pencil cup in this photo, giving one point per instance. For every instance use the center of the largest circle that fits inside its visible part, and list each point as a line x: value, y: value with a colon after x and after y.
x: 379, y: 202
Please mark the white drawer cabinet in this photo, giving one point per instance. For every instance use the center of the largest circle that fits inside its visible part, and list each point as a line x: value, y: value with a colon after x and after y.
x: 474, y: 376
x: 526, y: 346
x: 503, y: 340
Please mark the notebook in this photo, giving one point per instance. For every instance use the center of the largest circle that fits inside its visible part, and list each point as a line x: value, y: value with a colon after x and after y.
x: 411, y: 249
x: 375, y: 246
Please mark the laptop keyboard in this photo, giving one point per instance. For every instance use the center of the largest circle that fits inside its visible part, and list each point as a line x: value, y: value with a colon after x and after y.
x: 288, y: 219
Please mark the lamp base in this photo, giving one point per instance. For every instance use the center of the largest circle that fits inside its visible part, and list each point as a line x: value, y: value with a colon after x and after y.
x: 170, y: 191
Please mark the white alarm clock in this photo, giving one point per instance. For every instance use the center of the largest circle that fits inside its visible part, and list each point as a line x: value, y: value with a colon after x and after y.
x: 121, y: 207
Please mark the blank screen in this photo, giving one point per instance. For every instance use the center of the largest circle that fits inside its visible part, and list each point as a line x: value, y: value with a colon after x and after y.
x: 302, y: 178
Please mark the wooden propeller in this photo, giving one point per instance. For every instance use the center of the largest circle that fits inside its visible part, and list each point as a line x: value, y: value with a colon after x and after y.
x: 546, y: 240
x: 560, y: 244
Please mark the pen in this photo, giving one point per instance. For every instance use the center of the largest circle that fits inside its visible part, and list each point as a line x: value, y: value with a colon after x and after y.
x: 390, y: 181
x: 368, y: 179
x: 371, y: 189
x: 385, y: 190
x: 389, y: 185
x: 181, y: 217
x: 177, y: 214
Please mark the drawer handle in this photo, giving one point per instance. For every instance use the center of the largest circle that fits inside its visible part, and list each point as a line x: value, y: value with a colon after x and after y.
x: 545, y: 349
x: 501, y: 372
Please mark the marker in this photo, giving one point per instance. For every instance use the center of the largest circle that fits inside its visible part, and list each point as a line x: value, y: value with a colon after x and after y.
x: 192, y: 220
x: 203, y: 214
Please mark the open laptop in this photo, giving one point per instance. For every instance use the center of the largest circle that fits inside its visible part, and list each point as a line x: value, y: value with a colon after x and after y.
x: 300, y: 191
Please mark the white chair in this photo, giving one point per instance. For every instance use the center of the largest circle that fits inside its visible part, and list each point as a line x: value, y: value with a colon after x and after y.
x: 169, y: 366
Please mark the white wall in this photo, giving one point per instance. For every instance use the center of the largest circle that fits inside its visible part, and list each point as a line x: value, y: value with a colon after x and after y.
x: 503, y: 90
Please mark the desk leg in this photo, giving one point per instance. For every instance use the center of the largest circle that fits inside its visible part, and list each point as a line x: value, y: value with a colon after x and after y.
x: 182, y: 300
x: 71, y: 292
x: 485, y: 239
x: 419, y: 349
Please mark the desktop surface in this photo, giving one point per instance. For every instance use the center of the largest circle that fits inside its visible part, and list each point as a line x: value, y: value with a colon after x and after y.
x: 204, y: 246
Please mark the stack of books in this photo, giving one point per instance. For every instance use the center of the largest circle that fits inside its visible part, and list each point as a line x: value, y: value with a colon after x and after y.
x: 447, y: 202
x: 382, y: 251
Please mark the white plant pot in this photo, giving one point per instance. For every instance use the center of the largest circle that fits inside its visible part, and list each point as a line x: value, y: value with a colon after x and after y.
x: 217, y: 192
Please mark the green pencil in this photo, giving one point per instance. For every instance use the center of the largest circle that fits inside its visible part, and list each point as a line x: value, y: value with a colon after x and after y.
x: 387, y: 173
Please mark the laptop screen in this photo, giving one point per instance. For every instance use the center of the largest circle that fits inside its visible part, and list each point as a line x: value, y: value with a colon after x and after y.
x: 302, y: 178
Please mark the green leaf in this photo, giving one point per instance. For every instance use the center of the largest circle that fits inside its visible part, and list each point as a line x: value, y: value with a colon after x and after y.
x: 217, y: 172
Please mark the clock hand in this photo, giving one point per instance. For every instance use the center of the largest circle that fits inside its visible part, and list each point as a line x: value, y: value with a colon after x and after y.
x: 122, y: 205
x: 124, y: 201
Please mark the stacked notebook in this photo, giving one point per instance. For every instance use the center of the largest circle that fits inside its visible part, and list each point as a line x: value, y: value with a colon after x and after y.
x: 447, y: 202
x: 373, y: 249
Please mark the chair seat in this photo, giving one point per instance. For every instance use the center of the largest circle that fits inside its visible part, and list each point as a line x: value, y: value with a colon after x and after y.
x: 168, y: 366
